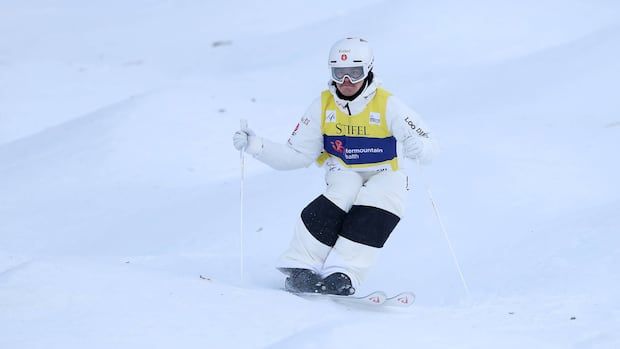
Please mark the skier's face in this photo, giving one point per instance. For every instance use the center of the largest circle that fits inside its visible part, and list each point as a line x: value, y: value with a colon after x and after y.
x: 348, y: 88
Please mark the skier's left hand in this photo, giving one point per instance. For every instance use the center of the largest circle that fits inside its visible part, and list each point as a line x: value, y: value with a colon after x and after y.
x: 413, y: 147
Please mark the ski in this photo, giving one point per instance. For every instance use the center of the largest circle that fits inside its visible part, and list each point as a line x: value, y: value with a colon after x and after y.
x: 404, y: 299
x: 374, y: 298
x: 377, y: 298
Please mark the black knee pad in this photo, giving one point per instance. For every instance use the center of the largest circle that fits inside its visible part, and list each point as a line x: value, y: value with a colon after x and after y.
x: 369, y: 225
x: 323, y: 219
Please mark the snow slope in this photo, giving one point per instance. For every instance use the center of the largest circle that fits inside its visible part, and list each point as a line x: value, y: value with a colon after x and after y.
x: 119, y: 185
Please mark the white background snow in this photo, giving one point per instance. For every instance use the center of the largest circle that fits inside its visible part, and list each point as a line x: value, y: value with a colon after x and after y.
x: 119, y: 185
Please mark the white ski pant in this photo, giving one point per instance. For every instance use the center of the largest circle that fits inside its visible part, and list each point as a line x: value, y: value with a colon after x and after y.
x: 383, y: 190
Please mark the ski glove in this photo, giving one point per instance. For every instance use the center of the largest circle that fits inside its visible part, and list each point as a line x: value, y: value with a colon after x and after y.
x: 413, y: 147
x: 247, y: 140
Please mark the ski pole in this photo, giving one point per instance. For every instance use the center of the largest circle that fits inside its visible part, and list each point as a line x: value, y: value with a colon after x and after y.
x: 244, y: 126
x: 445, y: 233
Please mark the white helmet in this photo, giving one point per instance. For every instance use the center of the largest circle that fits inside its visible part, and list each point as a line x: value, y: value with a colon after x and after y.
x: 350, y: 57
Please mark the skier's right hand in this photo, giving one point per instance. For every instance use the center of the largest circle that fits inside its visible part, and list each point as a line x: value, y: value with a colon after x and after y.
x: 246, y: 139
x: 240, y: 138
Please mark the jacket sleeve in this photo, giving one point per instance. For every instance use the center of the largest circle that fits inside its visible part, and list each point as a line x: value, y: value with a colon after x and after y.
x: 303, y: 146
x: 405, y: 123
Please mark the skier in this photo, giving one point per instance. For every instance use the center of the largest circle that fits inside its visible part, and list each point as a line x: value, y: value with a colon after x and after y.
x: 359, y: 132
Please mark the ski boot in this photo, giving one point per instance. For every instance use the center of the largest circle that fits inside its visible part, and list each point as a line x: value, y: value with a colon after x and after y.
x: 301, y: 280
x: 337, y: 284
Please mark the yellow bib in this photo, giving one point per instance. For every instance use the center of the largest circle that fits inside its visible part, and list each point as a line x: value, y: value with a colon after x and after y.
x: 362, y: 141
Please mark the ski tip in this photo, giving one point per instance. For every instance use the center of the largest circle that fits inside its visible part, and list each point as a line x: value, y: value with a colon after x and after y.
x: 404, y: 299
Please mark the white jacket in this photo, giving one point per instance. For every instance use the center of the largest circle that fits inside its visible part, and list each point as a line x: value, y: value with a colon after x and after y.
x: 306, y: 142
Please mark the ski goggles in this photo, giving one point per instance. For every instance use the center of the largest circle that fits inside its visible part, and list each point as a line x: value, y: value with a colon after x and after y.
x: 355, y: 74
